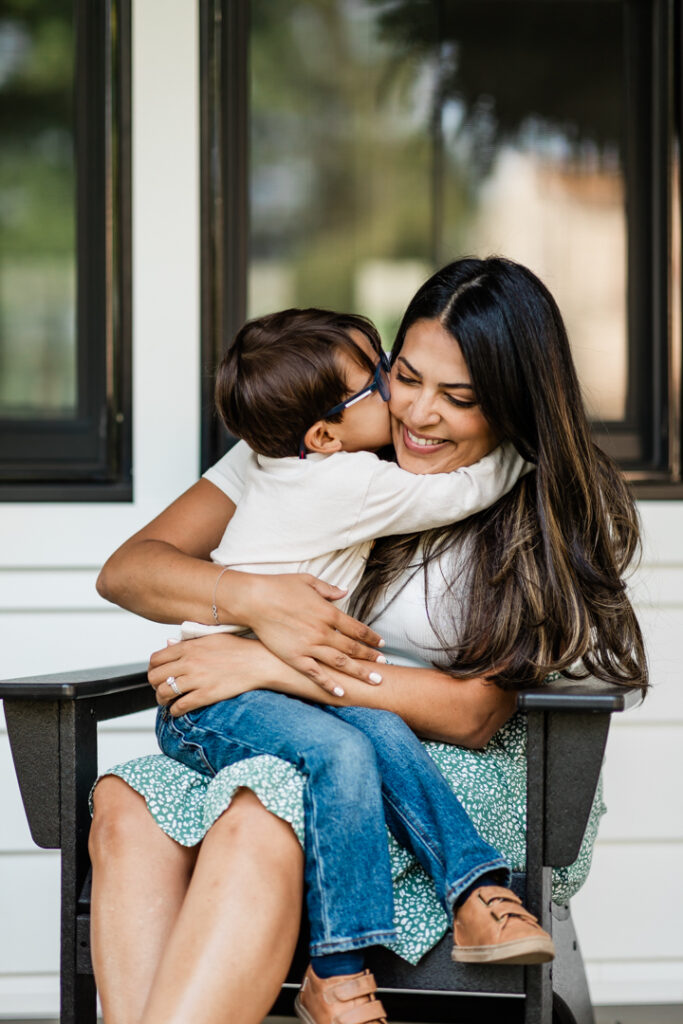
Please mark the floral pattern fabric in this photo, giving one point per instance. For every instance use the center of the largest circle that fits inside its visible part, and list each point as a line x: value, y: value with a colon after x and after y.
x: 490, y: 783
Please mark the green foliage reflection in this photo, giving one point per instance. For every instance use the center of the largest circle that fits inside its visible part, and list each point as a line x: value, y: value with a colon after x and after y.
x: 37, y: 208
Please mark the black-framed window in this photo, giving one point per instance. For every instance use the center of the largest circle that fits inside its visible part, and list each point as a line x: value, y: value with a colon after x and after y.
x: 65, y: 382
x: 351, y: 146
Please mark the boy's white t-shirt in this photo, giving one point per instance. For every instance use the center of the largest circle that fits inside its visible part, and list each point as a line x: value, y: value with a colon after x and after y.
x: 321, y: 514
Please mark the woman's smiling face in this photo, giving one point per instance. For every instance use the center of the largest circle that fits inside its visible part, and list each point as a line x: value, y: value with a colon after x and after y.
x: 436, y: 423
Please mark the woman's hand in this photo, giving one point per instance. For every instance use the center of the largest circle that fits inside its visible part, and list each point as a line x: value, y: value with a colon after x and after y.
x: 163, y: 573
x: 295, y: 617
x: 207, y: 670
x: 435, y: 706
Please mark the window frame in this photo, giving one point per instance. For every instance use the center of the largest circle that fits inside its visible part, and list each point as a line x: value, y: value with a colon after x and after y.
x: 88, y: 457
x: 224, y: 198
x: 653, y: 108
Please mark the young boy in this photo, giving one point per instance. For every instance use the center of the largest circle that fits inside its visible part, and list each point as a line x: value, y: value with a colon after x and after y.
x: 307, y: 390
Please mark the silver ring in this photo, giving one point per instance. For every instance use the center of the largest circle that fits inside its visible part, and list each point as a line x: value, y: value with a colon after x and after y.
x: 174, y: 686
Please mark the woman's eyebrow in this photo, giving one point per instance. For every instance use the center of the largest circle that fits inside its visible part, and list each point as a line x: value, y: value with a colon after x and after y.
x: 441, y: 384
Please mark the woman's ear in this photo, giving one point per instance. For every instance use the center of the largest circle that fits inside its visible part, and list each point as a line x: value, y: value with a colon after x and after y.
x: 321, y: 438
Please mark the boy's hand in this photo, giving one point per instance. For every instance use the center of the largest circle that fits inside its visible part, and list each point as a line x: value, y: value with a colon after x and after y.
x: 294, y: 617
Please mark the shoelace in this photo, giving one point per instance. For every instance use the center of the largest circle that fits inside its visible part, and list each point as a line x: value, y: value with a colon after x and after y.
x: 517, y: 910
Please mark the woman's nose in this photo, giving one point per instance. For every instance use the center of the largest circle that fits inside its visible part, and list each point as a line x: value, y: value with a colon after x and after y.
x: 423, y: 411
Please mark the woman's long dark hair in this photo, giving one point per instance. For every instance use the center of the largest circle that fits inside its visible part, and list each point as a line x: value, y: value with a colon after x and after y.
x: 543, y: 580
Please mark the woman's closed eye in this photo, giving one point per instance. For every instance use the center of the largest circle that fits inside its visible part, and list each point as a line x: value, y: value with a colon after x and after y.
x: 402, y: 379
x: 460, y: 403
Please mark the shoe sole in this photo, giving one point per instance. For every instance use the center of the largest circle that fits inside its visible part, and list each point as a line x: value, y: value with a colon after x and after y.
x: 521, y: 951
x: 301, y: 1013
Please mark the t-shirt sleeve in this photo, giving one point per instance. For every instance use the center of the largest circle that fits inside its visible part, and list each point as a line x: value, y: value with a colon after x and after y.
x: 400, y: 502
x: 230, y: 472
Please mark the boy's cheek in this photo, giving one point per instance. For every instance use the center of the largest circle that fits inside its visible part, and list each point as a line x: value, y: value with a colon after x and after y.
x: 386, y: 434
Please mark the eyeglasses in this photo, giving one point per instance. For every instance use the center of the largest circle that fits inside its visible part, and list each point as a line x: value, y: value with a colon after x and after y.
x: 379, y: 382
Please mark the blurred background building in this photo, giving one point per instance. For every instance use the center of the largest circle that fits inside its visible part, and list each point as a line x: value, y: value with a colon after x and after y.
x: 167, y: 169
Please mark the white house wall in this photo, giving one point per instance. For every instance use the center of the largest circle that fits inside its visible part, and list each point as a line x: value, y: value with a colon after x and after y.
x: 50, y: 616
x: 52, y: 619
x: 629, y: 938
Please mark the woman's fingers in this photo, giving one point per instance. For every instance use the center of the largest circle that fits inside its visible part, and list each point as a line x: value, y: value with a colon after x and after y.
x: 164, y: 667
x: 183, y: 704
x: 326, y: 590
x: 357, y: 632
x: 167, y: 654
x: 362, y: 669
x: 351, y: 648
x: 316, y: 673
x: 167, y: 689
x: 294, y: 616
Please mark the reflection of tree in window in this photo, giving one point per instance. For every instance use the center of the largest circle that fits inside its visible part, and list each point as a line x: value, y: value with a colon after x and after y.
x: 37, y: 210
x: 527, y: 116
x: 340, y: 162
x: 389, y: 137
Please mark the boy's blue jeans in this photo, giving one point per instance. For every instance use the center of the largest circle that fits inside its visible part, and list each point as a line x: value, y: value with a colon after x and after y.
x: 363, y: 767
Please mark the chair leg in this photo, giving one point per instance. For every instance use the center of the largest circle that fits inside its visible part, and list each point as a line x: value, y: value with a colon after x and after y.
x: 538, y: 1004
x: 78, y: 1002
x: 78, y: 767
x: 572, y: 1002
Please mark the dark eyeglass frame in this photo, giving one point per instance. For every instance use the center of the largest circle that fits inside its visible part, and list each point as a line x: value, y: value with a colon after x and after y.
x: 379, y: 382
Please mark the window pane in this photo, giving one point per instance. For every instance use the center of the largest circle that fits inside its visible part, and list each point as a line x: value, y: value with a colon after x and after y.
x: 341, y: 162
x: 37, y: 211
x: 390, y: 137
x: 531, y: 126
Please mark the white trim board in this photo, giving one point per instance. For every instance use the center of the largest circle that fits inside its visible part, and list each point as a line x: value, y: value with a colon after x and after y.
x: 635, y: 982
x: 618, y: 984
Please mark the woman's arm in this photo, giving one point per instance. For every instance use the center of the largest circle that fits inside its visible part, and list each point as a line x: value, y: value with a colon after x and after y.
x: 163, y: 572
x: 436, y: 706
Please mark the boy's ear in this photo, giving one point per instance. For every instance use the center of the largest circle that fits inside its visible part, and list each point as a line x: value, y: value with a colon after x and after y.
x: 321, y: 438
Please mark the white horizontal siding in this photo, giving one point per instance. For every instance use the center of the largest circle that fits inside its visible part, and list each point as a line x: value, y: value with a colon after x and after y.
x: 624, y: 911
x: 58, y: 640
x: 51, y: 618
x: 642, y: 777
x: 30, y: 912
x: 29, y: 995
x: 630, y: 939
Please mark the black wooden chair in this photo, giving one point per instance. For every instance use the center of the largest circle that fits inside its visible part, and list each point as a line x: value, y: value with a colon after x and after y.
x: 52, y: 725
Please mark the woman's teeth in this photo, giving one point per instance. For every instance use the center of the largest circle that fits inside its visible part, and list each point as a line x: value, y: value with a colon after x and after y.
x: 424, y: 442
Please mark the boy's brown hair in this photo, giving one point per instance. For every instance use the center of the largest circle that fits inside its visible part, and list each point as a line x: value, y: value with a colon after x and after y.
x: 282, y: 373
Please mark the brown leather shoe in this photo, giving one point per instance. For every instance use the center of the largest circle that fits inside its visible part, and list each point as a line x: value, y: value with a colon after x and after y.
x: 492, y: 927
x: 344, y: 999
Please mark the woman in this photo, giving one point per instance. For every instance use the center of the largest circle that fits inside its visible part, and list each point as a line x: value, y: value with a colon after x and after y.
x: 533, y: 585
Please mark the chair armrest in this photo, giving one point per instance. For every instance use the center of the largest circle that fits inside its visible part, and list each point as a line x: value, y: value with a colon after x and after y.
x: 92, y: 682
x: 579, y: 695
x: 567, y: 731
x: 52, y: 728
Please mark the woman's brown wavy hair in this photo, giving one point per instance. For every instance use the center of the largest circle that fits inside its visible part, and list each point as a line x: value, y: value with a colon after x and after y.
x: 543, y: 584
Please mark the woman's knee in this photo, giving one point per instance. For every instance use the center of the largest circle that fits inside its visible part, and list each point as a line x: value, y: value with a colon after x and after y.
x: 247, y: 825
x: 247, y: 817
x: 119, y: 815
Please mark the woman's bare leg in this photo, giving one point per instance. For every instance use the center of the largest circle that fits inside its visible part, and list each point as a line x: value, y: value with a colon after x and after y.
x: 235, y: 936
x: 140, y: 878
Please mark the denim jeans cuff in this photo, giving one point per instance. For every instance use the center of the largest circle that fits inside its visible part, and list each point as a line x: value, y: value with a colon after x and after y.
x: 357, y: 942
x: 454, y: 890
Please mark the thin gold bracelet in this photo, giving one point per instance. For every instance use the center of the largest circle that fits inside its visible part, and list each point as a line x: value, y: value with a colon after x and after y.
x: 214, y: 610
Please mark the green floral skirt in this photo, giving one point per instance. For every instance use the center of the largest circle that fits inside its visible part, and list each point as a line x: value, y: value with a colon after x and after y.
x: 490, y: 783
